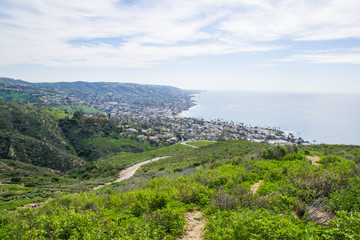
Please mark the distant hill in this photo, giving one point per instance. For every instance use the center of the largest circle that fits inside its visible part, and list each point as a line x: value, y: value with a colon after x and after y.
x: 111, y: 86
x: 13, y: 81
x: 114, y: 97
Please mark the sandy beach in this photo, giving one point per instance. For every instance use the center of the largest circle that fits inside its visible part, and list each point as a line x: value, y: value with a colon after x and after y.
x: 183, y: 113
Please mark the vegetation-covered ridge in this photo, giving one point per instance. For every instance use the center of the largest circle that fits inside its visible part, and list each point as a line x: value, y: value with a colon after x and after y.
x: 295, y: 200
x: 29, y: 135
x: 110, y: 97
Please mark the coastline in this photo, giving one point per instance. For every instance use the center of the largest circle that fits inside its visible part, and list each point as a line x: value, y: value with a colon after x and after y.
x: 318, y: 118
x: 183, y: 113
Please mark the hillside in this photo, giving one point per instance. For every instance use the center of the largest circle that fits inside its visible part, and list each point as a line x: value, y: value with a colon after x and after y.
x: 60, y: 140
x: 294, y: 197
x: 110, y: 97
x: 28, y: 135
x: 105, y: 87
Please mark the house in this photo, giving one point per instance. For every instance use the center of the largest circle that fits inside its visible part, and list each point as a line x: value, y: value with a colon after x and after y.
x: 154, y: 138
x: 172, y: 140
x: 132, y: 130
x: 141, y: 138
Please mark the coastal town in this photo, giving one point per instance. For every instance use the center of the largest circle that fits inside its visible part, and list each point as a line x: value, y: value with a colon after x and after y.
x: 145, y: 112
x: 178, y: 129
x: 116, y: 98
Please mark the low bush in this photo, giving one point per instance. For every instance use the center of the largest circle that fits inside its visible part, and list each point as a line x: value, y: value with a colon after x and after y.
x: 259, y: 224
x: 345, y: 200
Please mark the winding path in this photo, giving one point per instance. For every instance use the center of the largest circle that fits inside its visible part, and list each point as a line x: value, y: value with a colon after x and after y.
x: 186, y: 144
x: 130, y: 171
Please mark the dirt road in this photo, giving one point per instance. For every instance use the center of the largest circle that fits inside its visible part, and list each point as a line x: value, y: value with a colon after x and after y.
x: 127, y: 173
x: 130, y: 171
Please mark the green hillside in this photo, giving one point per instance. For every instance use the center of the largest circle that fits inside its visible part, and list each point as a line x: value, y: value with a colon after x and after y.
x: 50, y: 137
x: 96, y: 136
x: 28, y: 135
x: 302, y: 193
x: 74, y: 108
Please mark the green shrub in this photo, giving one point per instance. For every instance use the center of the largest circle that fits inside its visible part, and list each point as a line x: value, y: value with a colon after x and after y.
x: 238, y: 197
x: 55, y: 179
x: 168, y: 221
x: 215, y: 164
x: 15, y: 179
x: 224, y: 201
x: 346, y: 226
x: 259, y: 224
x: 330, y: 159
x: 294, y: 156
x: 345, y: 199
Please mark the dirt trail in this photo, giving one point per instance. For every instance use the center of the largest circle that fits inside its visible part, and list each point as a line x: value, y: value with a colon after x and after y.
x: 256, y: 186
x: 130, y: 171
x: 30, y: 205
x: 314, y: 160
x: 123, y: 175
x: 194, y: 226
x: 185, y: 144
x: 33, y: 205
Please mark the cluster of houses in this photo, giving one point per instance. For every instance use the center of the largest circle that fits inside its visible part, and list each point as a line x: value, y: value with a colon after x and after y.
x: 118, y: 99
x: 172, y: 129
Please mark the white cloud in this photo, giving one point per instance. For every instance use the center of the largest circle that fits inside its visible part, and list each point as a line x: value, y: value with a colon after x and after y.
x: 296, y: 20
x: 352, y: 57
x: 39, y: 31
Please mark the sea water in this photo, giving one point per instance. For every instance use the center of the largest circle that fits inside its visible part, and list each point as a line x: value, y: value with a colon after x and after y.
x: 316, y: 117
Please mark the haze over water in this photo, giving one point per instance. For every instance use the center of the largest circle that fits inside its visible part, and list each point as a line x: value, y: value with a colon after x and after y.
x: 324, y: 117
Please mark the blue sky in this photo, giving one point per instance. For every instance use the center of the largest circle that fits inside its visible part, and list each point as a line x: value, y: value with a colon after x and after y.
x: 268, y: 45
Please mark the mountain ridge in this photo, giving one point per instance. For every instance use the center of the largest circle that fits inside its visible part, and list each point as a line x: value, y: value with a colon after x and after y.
x: 110, y: 97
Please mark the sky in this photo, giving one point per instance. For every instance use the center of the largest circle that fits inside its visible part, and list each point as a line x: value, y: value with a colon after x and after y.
x: 266, y: 45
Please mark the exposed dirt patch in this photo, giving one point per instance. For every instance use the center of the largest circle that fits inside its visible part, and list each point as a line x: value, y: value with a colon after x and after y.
x: 33, y: 205
x: 317, y: 212
x: 30, y: 205
x: 194, y: 227
x: 319, y: 216
x: 314, y: 160
x: 256, y: 186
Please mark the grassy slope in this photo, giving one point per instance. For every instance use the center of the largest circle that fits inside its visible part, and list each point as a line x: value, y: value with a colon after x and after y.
x: 214, y: 178
x: 74, y: 108
x: 14, y: 96
x: 56, y: 113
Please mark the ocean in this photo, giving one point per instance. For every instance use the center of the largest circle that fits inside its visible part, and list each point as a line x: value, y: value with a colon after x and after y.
x: 330, y: 118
